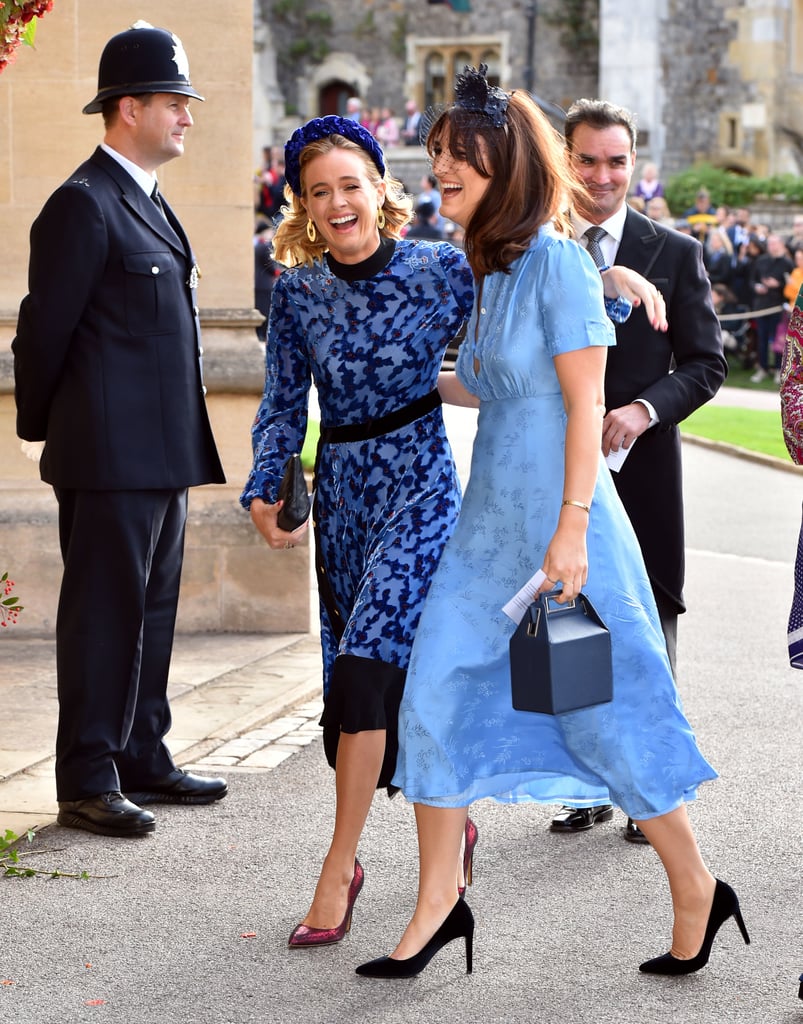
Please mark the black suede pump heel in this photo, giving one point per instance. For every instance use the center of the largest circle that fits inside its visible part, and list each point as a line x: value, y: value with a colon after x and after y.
x: 725, y: 905
x: 459, y: 924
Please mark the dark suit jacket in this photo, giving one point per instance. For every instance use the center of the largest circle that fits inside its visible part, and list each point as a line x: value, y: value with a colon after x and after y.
x: 107, y: 353
x: 676, y: 373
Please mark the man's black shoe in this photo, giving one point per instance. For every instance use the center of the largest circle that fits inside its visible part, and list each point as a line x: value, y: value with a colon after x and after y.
x: 580, y: 819
x: 633, y: 833
x: 107, y: 814
x: 179, y: 787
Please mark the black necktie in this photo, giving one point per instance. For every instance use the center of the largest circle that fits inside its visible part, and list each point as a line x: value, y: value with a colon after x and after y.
x: 157, y: 199
x: 595, y: 236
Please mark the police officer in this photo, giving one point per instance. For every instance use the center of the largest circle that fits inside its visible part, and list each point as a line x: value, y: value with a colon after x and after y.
x: 108, y: 375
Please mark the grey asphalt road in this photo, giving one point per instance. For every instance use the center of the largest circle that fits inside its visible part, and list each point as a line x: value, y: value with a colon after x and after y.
x: 189, y: 926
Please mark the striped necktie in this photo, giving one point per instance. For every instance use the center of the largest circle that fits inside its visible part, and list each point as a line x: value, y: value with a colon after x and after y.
x: 594, y: 236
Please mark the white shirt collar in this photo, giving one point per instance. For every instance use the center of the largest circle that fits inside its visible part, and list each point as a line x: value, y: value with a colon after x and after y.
x: 143, y: 178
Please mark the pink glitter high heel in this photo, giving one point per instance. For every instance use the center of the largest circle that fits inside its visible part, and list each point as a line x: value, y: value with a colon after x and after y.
x: 472, y: 834
x: 304, y: 935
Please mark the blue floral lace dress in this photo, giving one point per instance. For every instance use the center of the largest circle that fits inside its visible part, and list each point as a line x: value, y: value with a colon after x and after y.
x: 459, y: 737
x: 372, y: 336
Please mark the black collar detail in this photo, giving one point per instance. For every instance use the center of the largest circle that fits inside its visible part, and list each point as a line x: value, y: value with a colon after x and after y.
x: 365, y: 269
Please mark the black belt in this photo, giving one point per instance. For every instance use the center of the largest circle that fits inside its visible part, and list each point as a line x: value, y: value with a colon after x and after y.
x: 358, y: 432
x: 382, y: 424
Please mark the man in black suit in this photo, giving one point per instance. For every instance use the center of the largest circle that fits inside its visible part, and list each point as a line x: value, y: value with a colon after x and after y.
x: 108, y: 375
x: 653, y: 379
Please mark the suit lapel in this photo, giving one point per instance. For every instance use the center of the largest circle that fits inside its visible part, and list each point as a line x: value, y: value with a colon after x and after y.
x: 142, y: 206
x: 641, y: 244
x: 145, y: 208
x: 175, y: 224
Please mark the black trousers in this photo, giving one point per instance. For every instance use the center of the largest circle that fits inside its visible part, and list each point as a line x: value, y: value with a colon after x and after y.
x: 122, y: 553
x: 668, y: 614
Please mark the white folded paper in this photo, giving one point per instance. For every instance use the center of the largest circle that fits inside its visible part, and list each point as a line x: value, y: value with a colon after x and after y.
x: 615, y: 460
x: 517, y: 606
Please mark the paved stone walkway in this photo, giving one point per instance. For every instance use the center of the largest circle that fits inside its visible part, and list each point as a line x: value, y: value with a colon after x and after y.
x: 268, y: 745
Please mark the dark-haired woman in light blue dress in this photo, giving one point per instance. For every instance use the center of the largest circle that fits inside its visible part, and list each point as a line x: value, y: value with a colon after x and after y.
x: 539, y: 497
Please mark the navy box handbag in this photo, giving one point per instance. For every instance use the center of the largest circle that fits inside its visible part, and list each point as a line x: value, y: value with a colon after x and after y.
x: 560, y: 657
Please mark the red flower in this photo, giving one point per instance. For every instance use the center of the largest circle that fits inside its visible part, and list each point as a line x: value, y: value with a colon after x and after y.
x: 10, y: 607
x: 15, y: 25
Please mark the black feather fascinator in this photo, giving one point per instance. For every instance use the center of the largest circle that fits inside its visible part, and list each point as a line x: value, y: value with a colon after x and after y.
x: 472, y: 92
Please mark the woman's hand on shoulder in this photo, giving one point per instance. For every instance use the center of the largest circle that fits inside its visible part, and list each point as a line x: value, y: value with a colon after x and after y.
x: 638, y: 291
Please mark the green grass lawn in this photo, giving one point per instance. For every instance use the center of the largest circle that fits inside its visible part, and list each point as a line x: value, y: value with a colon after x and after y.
x: 739, y: 377
x: 757, y: 430
x: 310, y: 445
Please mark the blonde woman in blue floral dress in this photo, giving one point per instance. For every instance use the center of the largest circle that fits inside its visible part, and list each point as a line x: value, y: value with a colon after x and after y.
x: 367, y: 316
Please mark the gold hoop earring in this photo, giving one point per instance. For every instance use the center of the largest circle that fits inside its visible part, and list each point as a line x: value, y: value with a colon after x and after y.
x: 312, y: 234
x: 380, y: 218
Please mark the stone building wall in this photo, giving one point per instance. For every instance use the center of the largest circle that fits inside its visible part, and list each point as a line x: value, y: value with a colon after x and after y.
x: 370, y: 45
x: 720, y: 81
x: 699, y: 83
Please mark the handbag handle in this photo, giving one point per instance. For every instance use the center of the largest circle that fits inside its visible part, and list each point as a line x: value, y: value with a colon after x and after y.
x: 543, y: 605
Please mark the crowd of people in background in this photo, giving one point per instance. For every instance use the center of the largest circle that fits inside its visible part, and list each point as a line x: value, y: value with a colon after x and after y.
x: 384, y: 125
x: 755, y: 271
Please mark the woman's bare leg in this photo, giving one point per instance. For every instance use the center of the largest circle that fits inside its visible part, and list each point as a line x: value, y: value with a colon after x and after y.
x: 690, y: 882
x: 440, y: 833
x: 359, y: 762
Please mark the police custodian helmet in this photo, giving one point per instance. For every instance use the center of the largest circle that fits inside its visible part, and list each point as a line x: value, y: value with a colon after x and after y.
x: 143, y: 59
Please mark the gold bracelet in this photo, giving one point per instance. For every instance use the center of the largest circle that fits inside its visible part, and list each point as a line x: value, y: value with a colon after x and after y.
x: 579, y: 504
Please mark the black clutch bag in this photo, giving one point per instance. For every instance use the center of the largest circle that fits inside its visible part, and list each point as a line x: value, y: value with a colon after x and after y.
x: 293, y: 492
x: 560, y: 657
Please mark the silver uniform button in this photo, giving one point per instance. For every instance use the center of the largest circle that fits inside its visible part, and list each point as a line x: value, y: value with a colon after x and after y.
x: 200, y: 351
x: 203, y: 389
x: 154, y: 270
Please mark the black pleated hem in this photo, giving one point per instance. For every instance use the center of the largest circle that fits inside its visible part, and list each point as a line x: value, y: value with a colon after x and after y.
x: 365, y: 694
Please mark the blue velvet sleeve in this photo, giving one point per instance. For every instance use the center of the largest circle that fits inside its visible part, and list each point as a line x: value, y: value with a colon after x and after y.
x: 281, y: 420
x: 618, y: 309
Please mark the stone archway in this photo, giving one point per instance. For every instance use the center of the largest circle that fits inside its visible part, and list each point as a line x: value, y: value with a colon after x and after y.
x: 332, y: 98
x: 341, y: 70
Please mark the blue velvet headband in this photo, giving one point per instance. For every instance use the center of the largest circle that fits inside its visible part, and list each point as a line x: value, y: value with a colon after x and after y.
x: 321, y: 128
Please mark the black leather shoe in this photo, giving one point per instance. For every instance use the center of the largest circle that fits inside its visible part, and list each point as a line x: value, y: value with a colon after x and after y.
x: 580, y: 819
x: 180, y: 787
x: 107, y: 814
x: 633, y: 833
